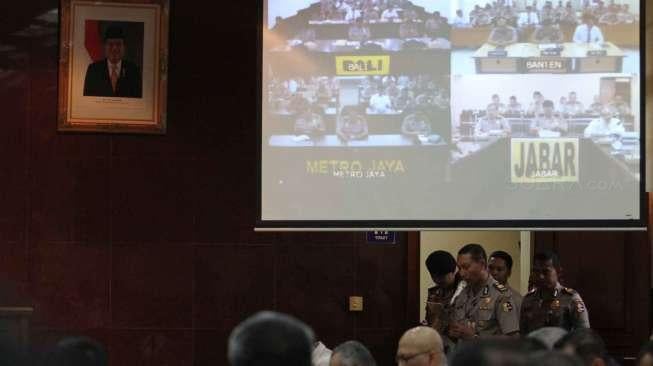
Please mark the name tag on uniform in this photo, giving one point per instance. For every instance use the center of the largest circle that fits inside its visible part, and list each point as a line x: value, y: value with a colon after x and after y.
x: 595, y: 53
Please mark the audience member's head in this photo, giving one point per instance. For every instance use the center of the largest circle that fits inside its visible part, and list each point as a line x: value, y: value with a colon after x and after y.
x: 351, y: 353
x: 500, y: 266
x: 271, y: 339
x: 548, y: 335
x: 420, y: 346
x: 472, y: 263
x: 645, y: 356
x: 442, y: 268
x: 585, y: 344
x: 77, y: 351
x: 554, y: 358
x: 490, y: 352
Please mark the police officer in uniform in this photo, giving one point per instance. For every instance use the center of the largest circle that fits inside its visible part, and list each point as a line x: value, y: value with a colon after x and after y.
x: 484, y: 307
x: 442, y: 268
x: 550, y: 304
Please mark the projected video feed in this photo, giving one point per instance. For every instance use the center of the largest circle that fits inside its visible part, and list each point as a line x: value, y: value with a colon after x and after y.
x: 450, y: 111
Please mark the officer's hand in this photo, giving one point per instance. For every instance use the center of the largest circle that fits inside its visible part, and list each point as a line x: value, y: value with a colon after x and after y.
x: 461, y: 331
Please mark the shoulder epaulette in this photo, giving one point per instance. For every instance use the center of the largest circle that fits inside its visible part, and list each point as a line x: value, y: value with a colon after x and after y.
x: 500, y: 287
x: 568, y: 290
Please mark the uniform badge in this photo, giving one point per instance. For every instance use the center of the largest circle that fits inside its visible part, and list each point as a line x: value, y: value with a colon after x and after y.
x: 507, y: 307
x: 486, y: 291
x: 481, y: 323
x: 487, y: 300
x: 438, y: 292
x: 555, y: 304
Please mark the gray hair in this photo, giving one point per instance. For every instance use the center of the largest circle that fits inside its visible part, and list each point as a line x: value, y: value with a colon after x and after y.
x: 353, y: 353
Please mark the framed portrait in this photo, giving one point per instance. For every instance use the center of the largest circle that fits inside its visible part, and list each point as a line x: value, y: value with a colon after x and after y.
x: 113, y: 66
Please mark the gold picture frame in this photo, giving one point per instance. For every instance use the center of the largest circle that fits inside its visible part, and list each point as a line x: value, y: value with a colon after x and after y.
x: 113, y: 66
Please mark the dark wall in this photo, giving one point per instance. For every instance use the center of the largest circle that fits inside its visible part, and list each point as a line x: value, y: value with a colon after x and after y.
x: 146, y: 242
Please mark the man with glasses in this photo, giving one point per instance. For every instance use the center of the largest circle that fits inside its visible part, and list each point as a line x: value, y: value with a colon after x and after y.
x: 549, y: 304
x: 420, y: 346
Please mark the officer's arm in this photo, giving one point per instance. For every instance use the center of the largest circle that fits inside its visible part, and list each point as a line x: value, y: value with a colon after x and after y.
x: 508, y: 316
x: 579, y: 313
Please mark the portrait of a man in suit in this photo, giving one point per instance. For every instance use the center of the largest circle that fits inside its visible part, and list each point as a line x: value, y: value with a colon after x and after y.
x: 114, y: 75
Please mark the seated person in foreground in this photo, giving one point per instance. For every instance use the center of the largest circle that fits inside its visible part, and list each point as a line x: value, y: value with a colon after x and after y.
x: 492, y: 123
x: 588, y: 32
x: 548, y: 121
x: 351, y: 124
x: 309, y: 122
x: 380, y: 102
x: 548, y: 32
x: 359, y: 31
x: 604, y: 126
x: 503, y: 34
x: 416, y: 124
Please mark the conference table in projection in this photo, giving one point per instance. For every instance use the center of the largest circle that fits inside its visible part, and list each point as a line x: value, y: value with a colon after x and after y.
x: 390, y: 56
x: 564, y: 58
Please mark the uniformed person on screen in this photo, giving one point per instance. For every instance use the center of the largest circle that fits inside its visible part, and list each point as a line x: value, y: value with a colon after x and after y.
x: 514, y: 107
x: 548, y: 121
x: 548, y: 14
x: 606, y: 125
x: 568, y: 16
x: 496, y: 103
x: 502, y: 34
x: 535, y: 108
x: 484, y: 307
x: 573, y: 107
x: 351, y: 124
x: 491, y: 123
x: 549, y: 304
x: 548, y: 32
x: 439, y: 303
x: 309, y: 121
x: 359, y: 31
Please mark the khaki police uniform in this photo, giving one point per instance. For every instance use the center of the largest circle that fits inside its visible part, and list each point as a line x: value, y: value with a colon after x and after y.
x: 565, y: 309
x: 491, y: 311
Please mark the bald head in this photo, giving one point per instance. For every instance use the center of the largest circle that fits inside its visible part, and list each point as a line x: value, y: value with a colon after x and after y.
x: 420, y: 346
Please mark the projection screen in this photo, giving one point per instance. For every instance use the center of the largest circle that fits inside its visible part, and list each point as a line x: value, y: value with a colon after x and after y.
x: 451, y: 114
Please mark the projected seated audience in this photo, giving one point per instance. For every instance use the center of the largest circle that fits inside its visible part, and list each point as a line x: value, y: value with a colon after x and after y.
x: 568, y: 16
x: 459, y: 20
x: 611, y: 16
x: 408, y: 29
x: 492, y: 124
x: 536, y: 106
x: 529, y: 18
x: 351, y: 124
x: 480, y: 17
x: 496, y: 104
x: 548, y: 123
x: 392, y: 13
x: 605, y: 126
x: 547, y: 14
x: 548, y: 32
x: 588, y: 32
x: 573, y: 106
x: 417, y: 123
x: 359, y: 32
x: 619, y: 107
x: 310, y: 122
x: 514, y: 107
x: 436, y: 26
x: 625, y: 16
x: 596, y: 106
x: 502, y: 34
x: 380, y: 102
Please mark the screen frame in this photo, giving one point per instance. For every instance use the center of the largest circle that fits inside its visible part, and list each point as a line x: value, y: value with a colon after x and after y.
x: 419, y: 225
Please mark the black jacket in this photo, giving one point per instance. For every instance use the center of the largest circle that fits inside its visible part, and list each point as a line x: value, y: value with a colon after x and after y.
x: 97, y: 82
